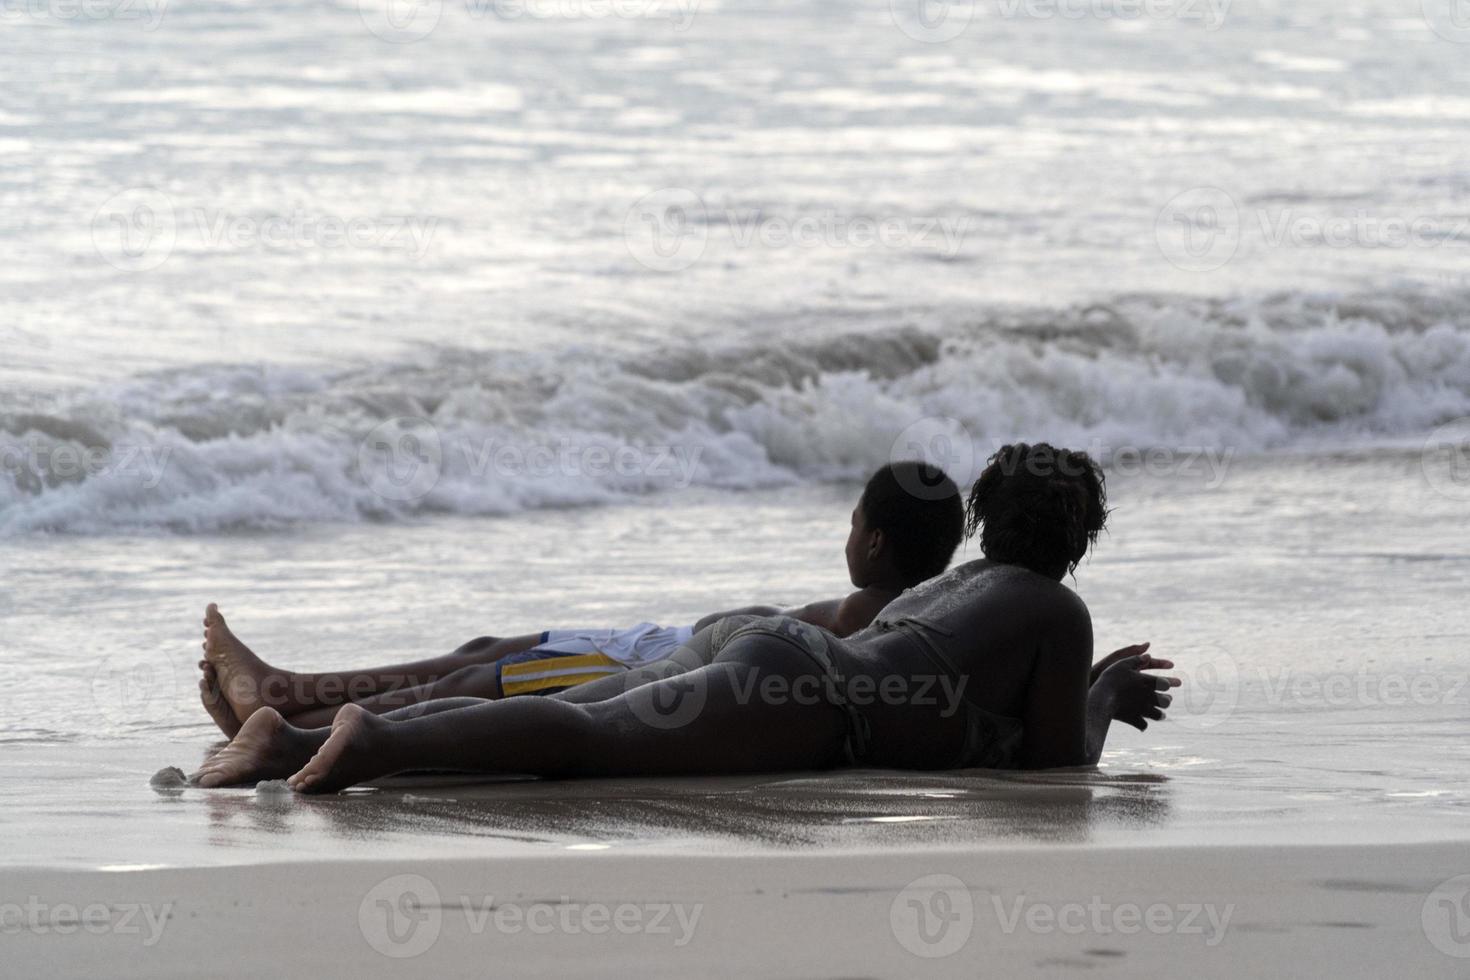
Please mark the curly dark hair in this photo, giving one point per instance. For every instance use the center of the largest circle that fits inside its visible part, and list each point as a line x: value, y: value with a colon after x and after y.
x: 1038, y: 507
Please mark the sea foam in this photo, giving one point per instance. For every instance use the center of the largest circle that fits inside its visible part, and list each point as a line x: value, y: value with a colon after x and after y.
x: 488, y: 433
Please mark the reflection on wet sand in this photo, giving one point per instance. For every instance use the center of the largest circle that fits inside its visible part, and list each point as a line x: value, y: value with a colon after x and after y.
x: 850, y: 809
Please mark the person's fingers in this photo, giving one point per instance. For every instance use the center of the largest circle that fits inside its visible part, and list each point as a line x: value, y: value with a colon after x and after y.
x: 1163, y: 700
x: 1154, y: 713
x: 1164, y: 683
x: 1140, y: 724
x: 1154, y: 663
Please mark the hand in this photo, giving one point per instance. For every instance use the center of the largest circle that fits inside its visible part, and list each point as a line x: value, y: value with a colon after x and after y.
x: 1137, y: 697
x: 1114, y: 657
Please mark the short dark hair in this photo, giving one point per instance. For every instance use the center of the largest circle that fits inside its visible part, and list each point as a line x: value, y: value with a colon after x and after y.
x: 1038, y: 506
x: 917, y: 507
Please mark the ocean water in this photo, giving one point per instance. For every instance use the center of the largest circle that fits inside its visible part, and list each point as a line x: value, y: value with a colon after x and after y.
x: 386, y: 327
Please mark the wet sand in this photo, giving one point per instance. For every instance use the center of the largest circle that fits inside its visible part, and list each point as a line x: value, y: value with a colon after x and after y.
x: 852, y: 874
x: 1139, y: 911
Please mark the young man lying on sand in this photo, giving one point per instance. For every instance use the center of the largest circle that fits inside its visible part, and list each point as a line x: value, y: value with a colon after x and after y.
x: 905, y: 529
x: 781, y: 694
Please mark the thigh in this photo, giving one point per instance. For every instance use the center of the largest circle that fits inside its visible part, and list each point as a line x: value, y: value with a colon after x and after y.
x: 697, y: 653
x: 488, y: 649
x: 721, y: 718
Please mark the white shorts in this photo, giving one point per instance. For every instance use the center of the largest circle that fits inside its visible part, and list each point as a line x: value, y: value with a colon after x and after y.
x: 637, y: 646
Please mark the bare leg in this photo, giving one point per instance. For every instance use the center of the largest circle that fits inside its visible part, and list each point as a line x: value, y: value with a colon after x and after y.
x: 270, y: 747
x: 729, y: 730
x: 214, y: 700
x: 483, y: 681
x: 480, y: 681
x: 248, y: 683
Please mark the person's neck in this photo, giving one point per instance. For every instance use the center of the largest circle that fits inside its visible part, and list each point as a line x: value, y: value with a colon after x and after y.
x: 888, y: 585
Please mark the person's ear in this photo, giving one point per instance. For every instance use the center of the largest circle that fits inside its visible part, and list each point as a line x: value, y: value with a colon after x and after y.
x: 876, y: 543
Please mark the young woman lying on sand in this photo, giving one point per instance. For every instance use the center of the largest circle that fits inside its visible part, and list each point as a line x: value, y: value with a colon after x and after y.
x: 905, y: 529
x: 1002, y: 633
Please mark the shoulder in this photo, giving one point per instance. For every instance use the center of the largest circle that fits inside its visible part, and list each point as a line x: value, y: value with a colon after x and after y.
x: 858, y: 610
x: 1046, y: 598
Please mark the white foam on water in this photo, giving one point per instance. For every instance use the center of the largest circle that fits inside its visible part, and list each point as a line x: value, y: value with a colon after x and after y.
x: 486, y: 433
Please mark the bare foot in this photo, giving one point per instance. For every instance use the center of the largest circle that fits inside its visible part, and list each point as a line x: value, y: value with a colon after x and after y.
x: 241, y: 675
x: 214, y: 700
x: 265, y: 748
x: 352, y: 754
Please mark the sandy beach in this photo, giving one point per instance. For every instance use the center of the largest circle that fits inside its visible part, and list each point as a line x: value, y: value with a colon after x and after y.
x: 391, y: 324
x: 861, y: 874
x: 1036, y: 910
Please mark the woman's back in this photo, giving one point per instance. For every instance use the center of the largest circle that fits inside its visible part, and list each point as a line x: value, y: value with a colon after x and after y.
x: 985, y: 621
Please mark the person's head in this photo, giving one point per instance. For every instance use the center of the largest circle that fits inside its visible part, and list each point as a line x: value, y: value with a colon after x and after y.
x: 905, y: 527
x: 1038, y: 507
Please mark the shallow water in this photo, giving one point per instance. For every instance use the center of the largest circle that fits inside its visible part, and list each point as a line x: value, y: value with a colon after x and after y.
x: 1324, y: 653
x: 576, y: 248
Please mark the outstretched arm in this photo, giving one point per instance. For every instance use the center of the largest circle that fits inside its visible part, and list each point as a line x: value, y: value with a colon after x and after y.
x: 1070, y: 705
x: 842, y: 617
x: 1065, y: 723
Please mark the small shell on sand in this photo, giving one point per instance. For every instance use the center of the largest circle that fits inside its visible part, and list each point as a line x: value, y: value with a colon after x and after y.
x: 169, y: 778
x: 272, y: 787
